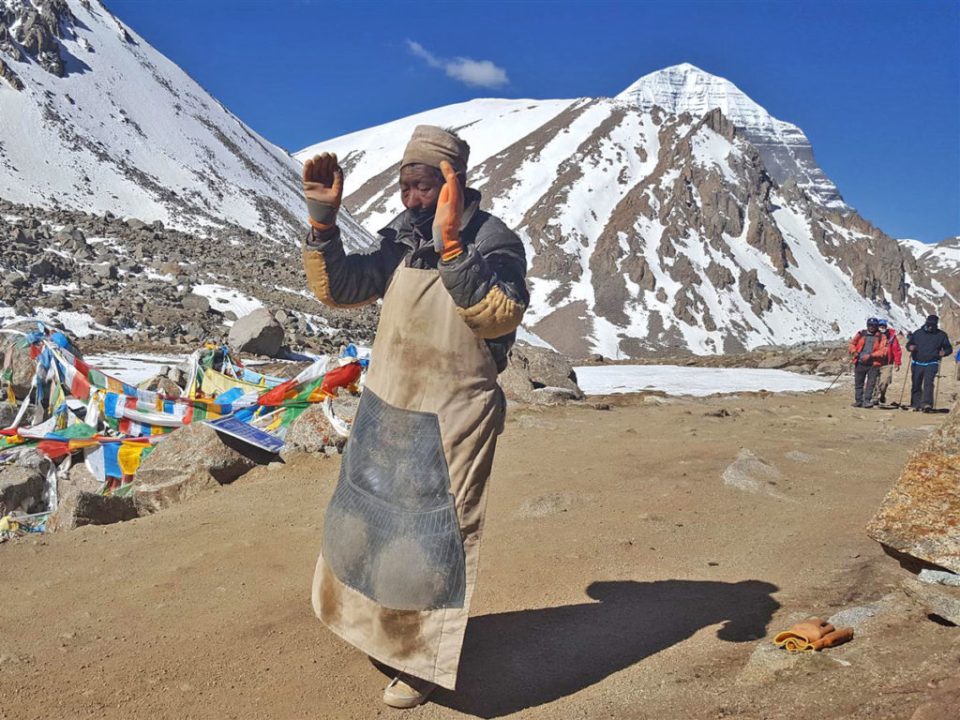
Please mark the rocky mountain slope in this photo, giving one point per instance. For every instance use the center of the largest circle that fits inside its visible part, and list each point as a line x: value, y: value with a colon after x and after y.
x: 126, y: 283
x: 652, y: 229
x: 133, y: 205
x: 93, y: 118
x: 941, y: 263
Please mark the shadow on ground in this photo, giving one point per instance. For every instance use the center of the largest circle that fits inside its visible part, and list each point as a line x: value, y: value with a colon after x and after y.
x: 523, y: 659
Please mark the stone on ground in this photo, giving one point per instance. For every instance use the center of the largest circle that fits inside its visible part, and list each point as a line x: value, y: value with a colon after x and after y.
x: 192, y: 460
x: 940, y: 600
x: 536, y: 375
x: 87, y: 508
x: 752, y: 473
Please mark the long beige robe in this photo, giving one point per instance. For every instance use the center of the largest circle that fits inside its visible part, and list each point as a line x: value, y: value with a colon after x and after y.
x: 400, y: 554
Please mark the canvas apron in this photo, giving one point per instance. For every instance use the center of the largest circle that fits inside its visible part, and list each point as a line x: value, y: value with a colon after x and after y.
x: 402, y: 532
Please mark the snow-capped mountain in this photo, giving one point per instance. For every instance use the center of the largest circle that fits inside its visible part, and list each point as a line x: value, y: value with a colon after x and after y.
x: 783, y: 147
x: 649, y: 229
x: 942, y: 258
x: 93, y: 118
x: 940, y: 263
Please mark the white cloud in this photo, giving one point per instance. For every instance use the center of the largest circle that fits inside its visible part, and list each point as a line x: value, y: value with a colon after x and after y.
x: 481, y: 73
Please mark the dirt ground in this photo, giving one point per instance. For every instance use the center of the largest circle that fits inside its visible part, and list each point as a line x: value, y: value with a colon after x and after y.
x: 622, y: 577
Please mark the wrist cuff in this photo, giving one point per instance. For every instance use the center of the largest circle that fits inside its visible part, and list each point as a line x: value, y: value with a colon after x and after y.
x: 321, y: 227
x: 452, y: 254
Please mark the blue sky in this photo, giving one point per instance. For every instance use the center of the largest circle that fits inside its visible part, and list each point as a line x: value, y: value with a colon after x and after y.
x: 874, y: 85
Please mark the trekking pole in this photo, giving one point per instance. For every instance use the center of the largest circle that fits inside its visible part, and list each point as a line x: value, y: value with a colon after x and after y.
x: 842, y: 371
x: 903, y: 387
x: 936, y: 386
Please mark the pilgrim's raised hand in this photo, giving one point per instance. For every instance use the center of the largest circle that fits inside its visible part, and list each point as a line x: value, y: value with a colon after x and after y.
x: 446, y: 222
x: 323, y: 189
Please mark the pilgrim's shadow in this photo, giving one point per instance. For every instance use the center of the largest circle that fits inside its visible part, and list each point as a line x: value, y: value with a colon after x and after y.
x: 523, y: 659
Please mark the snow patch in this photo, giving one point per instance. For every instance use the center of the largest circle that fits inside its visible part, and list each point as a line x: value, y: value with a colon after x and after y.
x: 133, y: 369
x: 695, y: 381
x: 225, y: 299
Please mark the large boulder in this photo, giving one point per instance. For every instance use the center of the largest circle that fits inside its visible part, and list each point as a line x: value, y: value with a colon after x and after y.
x: 918, y: 517
x: 87, y: 508
x: 21, y: 489
x: 192, y: 460
x: 536, y: 375
x: 258, y: 333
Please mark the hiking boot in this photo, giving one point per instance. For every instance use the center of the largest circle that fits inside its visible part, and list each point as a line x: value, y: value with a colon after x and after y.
x: 867, y: 406
x: 406, y: 691
x: 857, y: 405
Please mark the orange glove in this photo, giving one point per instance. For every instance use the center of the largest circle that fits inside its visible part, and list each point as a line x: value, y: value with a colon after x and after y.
x: 812, y: 634
x: 323, y: 189
x: 446, y: 222
x: 837, y: 637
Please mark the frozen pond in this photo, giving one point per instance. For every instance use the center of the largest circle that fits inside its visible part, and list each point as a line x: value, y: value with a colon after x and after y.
x: 698, y: 381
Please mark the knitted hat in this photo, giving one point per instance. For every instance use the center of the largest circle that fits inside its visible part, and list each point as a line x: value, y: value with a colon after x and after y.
x: 429, y: 145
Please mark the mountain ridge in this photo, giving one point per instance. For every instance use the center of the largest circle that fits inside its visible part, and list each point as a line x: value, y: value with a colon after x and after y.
x: 95, y: 119
x: 648, y: 230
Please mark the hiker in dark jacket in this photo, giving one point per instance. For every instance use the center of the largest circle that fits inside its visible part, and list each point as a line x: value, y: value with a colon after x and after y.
x: 868, y: 351
x: 927, y: 346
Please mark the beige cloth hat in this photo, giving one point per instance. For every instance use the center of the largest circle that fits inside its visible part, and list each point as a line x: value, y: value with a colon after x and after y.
x: 430, y: 144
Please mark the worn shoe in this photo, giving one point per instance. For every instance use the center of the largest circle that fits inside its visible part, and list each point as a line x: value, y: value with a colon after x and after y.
x: 405, y: 691
x: 856, y: 405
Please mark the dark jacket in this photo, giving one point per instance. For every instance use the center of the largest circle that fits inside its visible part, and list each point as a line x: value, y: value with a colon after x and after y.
x: 930, y: 346
x: 487, y: 282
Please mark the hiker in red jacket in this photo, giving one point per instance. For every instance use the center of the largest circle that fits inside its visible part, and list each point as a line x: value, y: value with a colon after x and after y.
x: 868, y: 351
x: 894, y: 357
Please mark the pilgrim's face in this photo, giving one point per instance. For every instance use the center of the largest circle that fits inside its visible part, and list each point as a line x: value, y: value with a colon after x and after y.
x: 420, y: 187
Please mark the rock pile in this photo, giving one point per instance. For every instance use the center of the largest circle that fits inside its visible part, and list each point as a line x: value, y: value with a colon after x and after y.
x: 148, y: 284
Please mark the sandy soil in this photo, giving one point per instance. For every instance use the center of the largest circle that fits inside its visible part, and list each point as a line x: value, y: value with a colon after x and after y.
x: 622, y: 578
